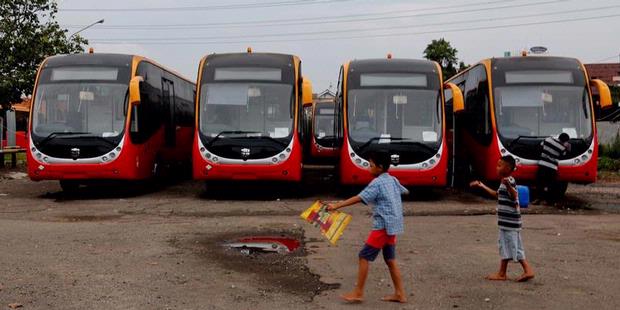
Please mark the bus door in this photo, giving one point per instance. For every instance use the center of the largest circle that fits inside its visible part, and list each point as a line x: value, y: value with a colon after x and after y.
x: 169, y: 112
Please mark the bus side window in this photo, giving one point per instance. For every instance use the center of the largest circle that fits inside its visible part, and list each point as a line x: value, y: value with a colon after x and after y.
x: 477, y: 105
x: 149, y: 109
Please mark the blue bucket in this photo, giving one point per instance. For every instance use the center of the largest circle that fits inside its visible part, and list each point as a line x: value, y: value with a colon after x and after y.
x: 524, y: 196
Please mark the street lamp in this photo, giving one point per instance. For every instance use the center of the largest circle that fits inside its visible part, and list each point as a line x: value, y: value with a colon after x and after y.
x: 95, y: 23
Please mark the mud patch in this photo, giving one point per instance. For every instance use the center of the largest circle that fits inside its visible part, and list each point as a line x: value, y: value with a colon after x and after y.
x: 88, y: 218
x: 275, y: 272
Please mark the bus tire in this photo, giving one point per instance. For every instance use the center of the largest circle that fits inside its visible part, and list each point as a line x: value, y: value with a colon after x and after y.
x: 559, y: 189
x: 69, y: 186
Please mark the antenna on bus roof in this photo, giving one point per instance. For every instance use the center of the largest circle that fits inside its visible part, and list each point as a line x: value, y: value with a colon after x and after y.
x: 249, y: 49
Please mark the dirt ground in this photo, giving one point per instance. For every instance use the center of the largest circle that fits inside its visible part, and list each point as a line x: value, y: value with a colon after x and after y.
x: 161, y: 247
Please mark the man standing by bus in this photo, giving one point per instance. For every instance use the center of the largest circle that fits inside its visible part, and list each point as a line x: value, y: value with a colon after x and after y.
x: 546, y: 178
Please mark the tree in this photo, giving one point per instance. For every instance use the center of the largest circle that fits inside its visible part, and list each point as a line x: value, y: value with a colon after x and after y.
x: 442, y: 52
x: 29, y: 32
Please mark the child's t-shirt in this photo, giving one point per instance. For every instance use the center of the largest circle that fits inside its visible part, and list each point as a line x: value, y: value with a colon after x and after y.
x: 508, y: 215
x: 384, y: 194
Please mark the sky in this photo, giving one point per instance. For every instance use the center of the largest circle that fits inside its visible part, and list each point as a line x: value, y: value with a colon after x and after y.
x: 327, y: 33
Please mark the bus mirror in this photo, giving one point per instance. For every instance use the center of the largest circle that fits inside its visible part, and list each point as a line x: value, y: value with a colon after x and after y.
x: 134, y: 90
x: 457, y: 97
x: 603, y: 92
x: 306, y: 92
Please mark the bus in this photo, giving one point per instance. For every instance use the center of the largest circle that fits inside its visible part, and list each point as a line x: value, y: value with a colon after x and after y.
x: 108, y: 117
x: 249, y: 117
x: 323, y: 141
x: 394, y: 106
x: 512, y: 104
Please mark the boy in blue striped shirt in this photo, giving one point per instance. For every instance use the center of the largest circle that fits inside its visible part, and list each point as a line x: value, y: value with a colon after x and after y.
x: 508, y: 220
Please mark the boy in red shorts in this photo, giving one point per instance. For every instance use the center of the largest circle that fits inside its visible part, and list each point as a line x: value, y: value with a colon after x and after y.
x: 384, y: 194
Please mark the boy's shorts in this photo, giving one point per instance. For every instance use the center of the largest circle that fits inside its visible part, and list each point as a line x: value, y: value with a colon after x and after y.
x: 510, y: 245
x: 379, y: 240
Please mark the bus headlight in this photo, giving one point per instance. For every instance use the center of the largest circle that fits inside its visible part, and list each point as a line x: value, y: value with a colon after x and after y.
x: 358, y: 161
x: 112, y: 155
x: 215, y: 158
x: 33, y: 149
x: 503, y: 151
x: 432, y: 161
x: 577, y: 160
x: 365, y: 164
x: 45, y: 159
x: 202, y: 150
x: 118, y: 148
x: 275, y: 159
x: 584, y: 157
x: 424, y: 165
x: 282, y: 156
x: 352, y: 154
x: 104, y: 158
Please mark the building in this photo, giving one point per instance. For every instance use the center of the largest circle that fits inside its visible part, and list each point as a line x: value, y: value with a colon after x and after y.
x: 607, y: 72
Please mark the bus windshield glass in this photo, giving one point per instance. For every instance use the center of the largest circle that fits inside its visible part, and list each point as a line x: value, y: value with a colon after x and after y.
x: 390, y: 114
x: 541, y: 104
x: 324, y: 121
x: 262, y: 108
x: 70, y: 102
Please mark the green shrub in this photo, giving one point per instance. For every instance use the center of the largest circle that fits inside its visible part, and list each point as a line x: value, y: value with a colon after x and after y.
x: 608, y: 164
x: 612, y: 150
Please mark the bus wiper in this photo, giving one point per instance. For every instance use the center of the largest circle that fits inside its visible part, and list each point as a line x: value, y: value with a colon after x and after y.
x: 264, y: 137
x: 230, y: 132
x: 519, y: 138
x: 423, y: 145
x: 365, y: 145
x: 60, y: 133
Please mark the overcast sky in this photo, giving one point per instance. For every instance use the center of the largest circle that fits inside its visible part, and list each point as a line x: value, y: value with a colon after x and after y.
x: 326, y: 33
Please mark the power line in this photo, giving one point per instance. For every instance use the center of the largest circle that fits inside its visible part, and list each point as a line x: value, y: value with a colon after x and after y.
x: 360, y: 30
x: 205, y: 8
x: 269, y: 22
x: 377, y: 35
x: 334, y: 20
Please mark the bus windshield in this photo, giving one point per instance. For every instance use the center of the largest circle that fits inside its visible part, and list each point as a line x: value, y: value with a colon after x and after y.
x: 82, y: 107
x: 324, y: 121
x: 394, y: 114
x: 265, y: 109
x: 543, y: 110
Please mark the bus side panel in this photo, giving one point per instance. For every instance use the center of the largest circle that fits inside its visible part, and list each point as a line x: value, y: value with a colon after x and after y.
x: 483, y: 159
x: 180, y: 152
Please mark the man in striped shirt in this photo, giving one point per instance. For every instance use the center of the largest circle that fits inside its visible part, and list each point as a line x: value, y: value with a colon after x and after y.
x: 552, y: 150
x: 508, y: 221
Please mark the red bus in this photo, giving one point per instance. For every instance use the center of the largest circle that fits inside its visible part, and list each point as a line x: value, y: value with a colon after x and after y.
x: 108, y: 117
x: 249, y: 115
x: 323, y: 140
x: 512, y: 104
x: 394, y: 106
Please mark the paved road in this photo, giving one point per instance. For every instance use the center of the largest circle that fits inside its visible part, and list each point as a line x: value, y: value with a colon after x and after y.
x: 110, y: 248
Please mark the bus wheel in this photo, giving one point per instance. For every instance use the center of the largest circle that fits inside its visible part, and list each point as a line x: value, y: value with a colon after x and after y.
x: 559, y: 189
x: 69, y: 186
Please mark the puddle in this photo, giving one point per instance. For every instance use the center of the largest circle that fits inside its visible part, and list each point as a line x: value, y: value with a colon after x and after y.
x: 273, y: 258
x: 264, y: 244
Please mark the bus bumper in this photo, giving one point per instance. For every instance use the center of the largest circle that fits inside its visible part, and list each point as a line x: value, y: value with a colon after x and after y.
x: 351, y: 174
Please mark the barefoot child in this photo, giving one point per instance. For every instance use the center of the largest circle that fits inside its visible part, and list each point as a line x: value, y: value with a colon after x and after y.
x: 508, y: 220
x: 384, y: 194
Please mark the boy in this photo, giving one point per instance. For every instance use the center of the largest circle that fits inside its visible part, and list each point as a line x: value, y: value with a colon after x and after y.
x: 508, y: 220
x: 546, y: 176
x: 384, y: 193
